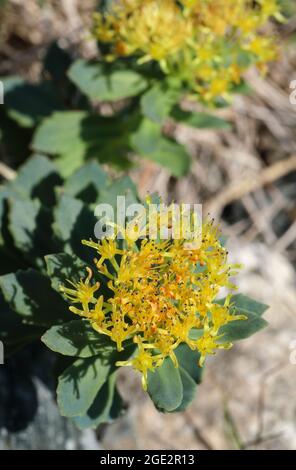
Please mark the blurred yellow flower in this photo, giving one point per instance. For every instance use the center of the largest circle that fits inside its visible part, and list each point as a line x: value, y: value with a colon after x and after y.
x: 198, y: 40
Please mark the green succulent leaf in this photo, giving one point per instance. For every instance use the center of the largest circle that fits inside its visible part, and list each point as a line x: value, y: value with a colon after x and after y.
x: 77, y: 136
x: 171, y: 388
x: 189, y: 361
x: 149, y: 142
x: 189, y: 391
x: 62, y: 267
x: 120, y: 187
x: 5, y: 195
x: 87, y: 183
x: 199, y: 119
x: 102, y: 83
x: 158, y: 101
x: 37, y: 179
x: 190, y: 374
x: 242, y: 329
x: 80, y: 383
x: 106, y: 407
x: 30, y: 227
x: 78, y: 338
x: 73, y: 222
x: 29, y: 294
x: 28, y: 103
x: 63, y: 134
x: 245, y: 304
x: 13, y: 331
x: 165, y: 386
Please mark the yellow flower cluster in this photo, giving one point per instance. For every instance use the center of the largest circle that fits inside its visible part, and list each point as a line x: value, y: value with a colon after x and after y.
x: 164, y: 294
x: 206, y: 43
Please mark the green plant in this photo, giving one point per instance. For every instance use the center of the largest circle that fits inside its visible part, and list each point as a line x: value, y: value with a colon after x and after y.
x: 62, y: 116
x: 111, y: 111
x: 43, y: 218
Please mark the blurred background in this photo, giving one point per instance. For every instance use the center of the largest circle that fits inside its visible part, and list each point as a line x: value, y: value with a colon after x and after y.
x: 246, y: 179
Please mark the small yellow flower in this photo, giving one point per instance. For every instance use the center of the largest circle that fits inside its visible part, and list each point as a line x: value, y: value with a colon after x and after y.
x: 107, y: 249
x: 81, y: 293
x: 207, y: 344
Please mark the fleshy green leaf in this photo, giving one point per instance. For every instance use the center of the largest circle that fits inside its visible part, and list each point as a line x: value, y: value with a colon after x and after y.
x: 196, y: 333
x: 12, y: 330
x: 241, y: 329
x: 190, y: 374
x: 28, y: 103
x: 189, y: 361
x: 15, y: 140
x: 146, y: 138
x: 245, y: 304
x: 61, y: 133
x: 62, y: 267
x: 157, y: 102
x: 76, y: 136
x: 199, y: 120
x: 79, y: 385
x: 100, y: 83
x: 243, y: 88
x: 165, y: 386
x: 87, y: 182
x: 121, y: 187
x: 173, y: 389
x: 106, y: 407
x: 149, y: 142
x: 5, y: 195
x: 30, y: 227
x: 37, y: 179
x: 78, y: 338
x: 73, y: 222
x: 189, y: 390
x: 29, y: 293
